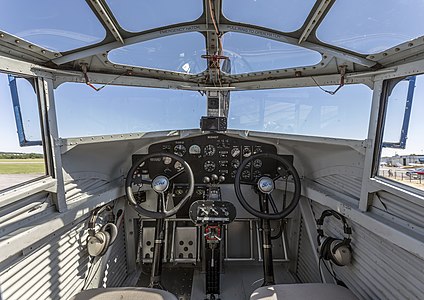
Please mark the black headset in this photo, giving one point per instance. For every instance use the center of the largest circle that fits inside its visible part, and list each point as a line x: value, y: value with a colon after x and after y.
x: 98, y: 242
x: 333, y: 249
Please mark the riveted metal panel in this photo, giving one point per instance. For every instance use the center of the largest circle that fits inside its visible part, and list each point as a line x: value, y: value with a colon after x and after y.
x: 307, y: 269
x: 115, y: 272
x: 379, y: 269
x: 58, y: 268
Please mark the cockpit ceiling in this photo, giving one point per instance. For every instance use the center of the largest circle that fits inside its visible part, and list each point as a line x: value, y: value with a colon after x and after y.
x: 112, y: 36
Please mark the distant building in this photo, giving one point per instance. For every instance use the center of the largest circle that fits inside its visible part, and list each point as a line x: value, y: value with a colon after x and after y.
x: 403, y: 160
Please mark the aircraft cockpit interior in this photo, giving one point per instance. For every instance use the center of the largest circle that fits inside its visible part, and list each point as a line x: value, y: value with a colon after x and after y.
x: 211, y: 149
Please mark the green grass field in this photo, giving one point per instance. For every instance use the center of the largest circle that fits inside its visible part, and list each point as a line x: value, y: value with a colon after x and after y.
x: 22, y: 166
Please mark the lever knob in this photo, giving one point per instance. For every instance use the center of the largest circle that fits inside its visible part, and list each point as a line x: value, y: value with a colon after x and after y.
x: 206, y: 179
x: 214, y: 177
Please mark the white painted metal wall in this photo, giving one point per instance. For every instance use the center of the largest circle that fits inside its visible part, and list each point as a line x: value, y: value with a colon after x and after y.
x: 380, y: 270
x: 306, y: 260
x: 57, y: 269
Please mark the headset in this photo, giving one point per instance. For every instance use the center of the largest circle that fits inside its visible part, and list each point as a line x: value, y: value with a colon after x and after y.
x: 98, y: 242
x: 333, y: 249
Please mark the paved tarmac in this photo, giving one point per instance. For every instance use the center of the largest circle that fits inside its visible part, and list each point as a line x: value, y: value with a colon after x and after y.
x: 8, y: 180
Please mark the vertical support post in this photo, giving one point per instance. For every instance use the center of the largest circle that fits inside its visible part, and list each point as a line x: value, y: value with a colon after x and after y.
x: 156, y: 274
x: 374, y: 123
x: 55, y: 144
x: 268, y: 267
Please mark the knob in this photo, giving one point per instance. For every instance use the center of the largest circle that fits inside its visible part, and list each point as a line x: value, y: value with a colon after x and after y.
x: 214, y: 211
x: 206, y: 179
x: 214, y: 177
x: 221, y: 178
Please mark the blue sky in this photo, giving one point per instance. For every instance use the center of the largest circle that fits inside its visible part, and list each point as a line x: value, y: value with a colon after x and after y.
x: 368, y: 28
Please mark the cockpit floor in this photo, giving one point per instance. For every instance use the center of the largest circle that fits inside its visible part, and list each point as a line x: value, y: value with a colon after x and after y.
x: 238, y: 280
x: 175, y: 279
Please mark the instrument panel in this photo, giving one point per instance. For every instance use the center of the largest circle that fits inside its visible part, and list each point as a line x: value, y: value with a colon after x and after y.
x: 216, y: 157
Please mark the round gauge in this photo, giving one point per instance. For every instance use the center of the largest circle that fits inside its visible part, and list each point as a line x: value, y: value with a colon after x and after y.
x: 179, y: 192
x: 178, y: 166
x: 257, y: 163
x: 180, y: 150
x: 209, y: 150
x: 194, y: 149
x: 209, y: 166
x: 235, y: 163
x: 233, y: 174
x: 166, y: 160
x: 235, y: 152
x: 256, y: 174
x: 245, y: 174
x: 247, y: 151
x: 257, y: 150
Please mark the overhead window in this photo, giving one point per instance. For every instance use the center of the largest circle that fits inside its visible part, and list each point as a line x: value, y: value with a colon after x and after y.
x: 372, y: 26
x: 282, y: 15
x: 52, y: 24
x: 82, y: 111
x: 402, y: 153
x: 136, y: 15
x: 305, y: 111
x: 19, y: 164
x: 250, y: 53
x: 181, y: 53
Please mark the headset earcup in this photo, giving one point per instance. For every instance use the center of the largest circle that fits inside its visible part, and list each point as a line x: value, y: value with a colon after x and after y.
x: 106, y: 243
x: 112, y: 230
x: 96, y: 244
x: 325, y: 247
x: 340, y: 252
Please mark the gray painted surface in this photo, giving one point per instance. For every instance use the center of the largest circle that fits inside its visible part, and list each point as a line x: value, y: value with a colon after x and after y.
x: 379, y: 270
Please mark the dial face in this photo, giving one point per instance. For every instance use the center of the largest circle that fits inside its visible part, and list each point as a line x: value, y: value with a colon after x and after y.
x: 166, y: 160
x: 178, y: 166
x: 257, y: 163
x: 209, y: 150
x: 235, y: 152
x: 247, y: 151
x: 235, y: 163
x: 180, y: 150
x: 256, y: 174
x: 245, y: 174
x: 209, y: 166
x: 194, y: 150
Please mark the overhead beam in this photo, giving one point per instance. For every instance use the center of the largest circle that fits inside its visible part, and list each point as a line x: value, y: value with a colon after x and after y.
x: 137, y: 38
x: 107, y: 19
x: 315, y: 20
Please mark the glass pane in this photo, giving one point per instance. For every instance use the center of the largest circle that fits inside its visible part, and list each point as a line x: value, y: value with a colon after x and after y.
x: 395, y: 112
x: 118, y: 109
x: 306, y: 111
x: 372, y: 26
x: 56, y: 25
x: 181, y: 53
x: 283, y: 15
x: 29, y: 110
x: 250, y: 53
x: 17, y: 164
x: 136, y: 15
x: 405, y: 165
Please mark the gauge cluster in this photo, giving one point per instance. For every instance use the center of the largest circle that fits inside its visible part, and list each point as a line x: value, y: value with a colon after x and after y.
x: 214, y: 156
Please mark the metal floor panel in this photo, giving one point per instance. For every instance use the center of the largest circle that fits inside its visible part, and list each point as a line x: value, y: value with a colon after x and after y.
x: 175, y: 279
x: 239, y: 280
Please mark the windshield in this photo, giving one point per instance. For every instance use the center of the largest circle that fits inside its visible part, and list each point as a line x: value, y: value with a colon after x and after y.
x: 120, y: 109
x: 304, y: 111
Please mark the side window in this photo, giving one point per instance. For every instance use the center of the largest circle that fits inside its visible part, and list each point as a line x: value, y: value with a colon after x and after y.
x: 19, y: 163
x: 402, y: 153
